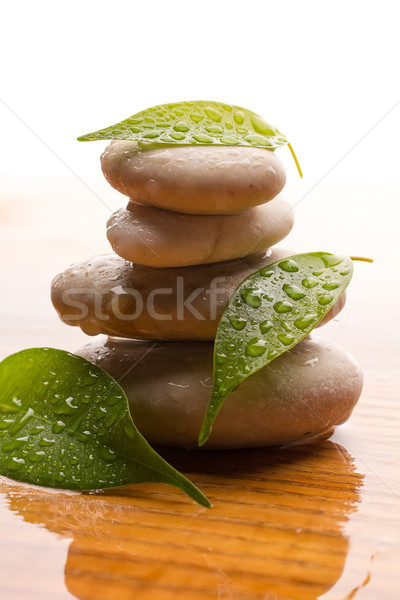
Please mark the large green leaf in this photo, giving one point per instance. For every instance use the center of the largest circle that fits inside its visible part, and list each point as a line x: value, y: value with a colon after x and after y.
x: 65, y: 423
x: 197, y: 122
x: 271, y: 311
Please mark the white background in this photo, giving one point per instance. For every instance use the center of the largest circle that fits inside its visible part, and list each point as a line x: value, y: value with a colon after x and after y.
x: 323, y: 72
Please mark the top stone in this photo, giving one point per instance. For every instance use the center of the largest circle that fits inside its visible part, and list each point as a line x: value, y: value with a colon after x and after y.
x: 194, y: 179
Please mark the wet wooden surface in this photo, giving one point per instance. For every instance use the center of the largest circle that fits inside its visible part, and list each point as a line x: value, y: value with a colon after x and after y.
x: 320, y: 521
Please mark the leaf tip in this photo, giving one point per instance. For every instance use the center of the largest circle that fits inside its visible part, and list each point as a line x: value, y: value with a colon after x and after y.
x: 204, y: 434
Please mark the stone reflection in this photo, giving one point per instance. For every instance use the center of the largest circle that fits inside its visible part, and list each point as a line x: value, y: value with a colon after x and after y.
x: 276, y: 531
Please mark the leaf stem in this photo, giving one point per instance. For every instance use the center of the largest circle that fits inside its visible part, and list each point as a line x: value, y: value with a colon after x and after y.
x: 293, y: 153
x: 362, y: 259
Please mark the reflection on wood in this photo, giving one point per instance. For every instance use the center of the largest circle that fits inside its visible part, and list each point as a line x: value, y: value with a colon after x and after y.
x: 277, y: 529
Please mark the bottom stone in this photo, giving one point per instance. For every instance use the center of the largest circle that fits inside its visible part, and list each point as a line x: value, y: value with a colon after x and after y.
x: 301, y: 395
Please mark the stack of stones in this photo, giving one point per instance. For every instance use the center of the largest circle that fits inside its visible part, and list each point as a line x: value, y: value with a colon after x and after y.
x: 199, y: 220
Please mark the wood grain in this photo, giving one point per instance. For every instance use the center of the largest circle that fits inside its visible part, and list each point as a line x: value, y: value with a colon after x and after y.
x: 298, y: 523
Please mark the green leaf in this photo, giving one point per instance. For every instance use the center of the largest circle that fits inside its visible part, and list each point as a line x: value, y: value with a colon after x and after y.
x: 65, y: 423
x: 271, y: 311
x: 188, y: 123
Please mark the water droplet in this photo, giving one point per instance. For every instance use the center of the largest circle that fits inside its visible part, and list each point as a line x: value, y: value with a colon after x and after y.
x: 255, y: 347
x: 257, y: 140
x: 177, y: 136
x: 36, y: 456
x: 286, y: 338
x: 310, y: 282
x: 238, y: 323
x: 220, y: 358
x: 58, y: 427
x: 288, y: 265
x: 5, y: 423
x: 214, y: 129
x: 318, y: 273
x: 266, y: 272
x: 60, y: 477
x: 331, y: 285
x: 14, y: 445
x: 230, y: 140
x: 150, y: 135
x: 265, y: 326
x: 82, y: 437
x: 15, y: 464
x: 130, y: 430
x: 46, y: 442
x: 261, y: 126
x: 213, y: 114
x: 293, y: 291
x: 181, y: 126
x: 272, y: 354
x: 202, y: 138
x: 325, y: 299
x: 283, y: 306
x: 331, y: 260
x: 238, y: 117
x: 107, y: 454
x: 37, y: 430
x: 304, y: 322
x: 345, y: 272
x: 66, y: 407
x: 21, y: 422
x: 196, y: 117
x: 251, y: 297
x: 89, y: 460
